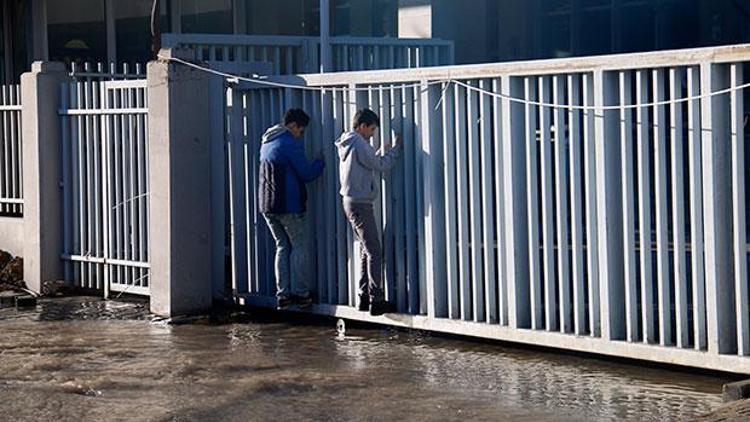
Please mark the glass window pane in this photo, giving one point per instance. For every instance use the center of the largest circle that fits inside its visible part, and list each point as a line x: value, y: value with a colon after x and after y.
x: 207, y: 16
x: 76, y: 31
x: 133, y: 29
x: 365, y: 18
x: 283, y: 17
x: 637, y: 28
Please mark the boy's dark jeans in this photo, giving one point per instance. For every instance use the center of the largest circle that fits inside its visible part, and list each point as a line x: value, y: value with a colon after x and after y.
x: 361, y: 216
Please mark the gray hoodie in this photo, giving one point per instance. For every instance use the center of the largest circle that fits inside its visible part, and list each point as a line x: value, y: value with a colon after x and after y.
x: 357, y: 166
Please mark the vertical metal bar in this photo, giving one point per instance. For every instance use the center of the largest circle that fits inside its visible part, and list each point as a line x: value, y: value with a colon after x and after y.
x: 576, y: 204
x: 648, y: 308
x: 463, y: 200
x: 449, y: 163
x: 609, y: 207
x: 676, y: 77
x: 132, y: 198
x: 532, y: 180
x: 7, y: 158
x: 14, y: 155
x: 410, y: 202
x: 68, y: 217
x: 421, y: 292
x: 233, y: 113
x: 696, y: 209
x: 488, y: 210
x: 497, y: 142
x: 105, y: 195
x: 252, y: 144
x: 561, y: 202
x: 548, y: 253
x: 390, y: 187
x: 431, y: 210
x: 119, y: 188
x: 514, y: 184
x: 398, y: 229
x: 716, y: 144
x: 97, y: 164
x: 83, y: 246
x: 475, y: 206
x: 660, y: 194
x: 628, y: 201
x: 341, y: 223
x: 590, y: 177
x: 739, y: 210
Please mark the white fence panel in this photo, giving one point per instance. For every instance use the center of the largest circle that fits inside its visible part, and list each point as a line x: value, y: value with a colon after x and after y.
x: 629, y: 185
x: 11, y: 153
x: 105, y: 183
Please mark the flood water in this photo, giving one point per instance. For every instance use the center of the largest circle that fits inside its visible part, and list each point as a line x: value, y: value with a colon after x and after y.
x: 84, y: 359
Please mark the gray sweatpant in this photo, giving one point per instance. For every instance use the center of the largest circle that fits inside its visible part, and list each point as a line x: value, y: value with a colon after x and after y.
x: 361, y: 216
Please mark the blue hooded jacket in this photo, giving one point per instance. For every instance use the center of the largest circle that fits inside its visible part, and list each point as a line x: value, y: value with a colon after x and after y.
x: 284, y: 170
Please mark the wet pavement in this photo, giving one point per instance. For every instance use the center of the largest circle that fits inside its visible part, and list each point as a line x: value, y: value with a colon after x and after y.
x: 87, y: 359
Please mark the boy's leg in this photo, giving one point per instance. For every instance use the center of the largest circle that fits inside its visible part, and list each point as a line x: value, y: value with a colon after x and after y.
x: 296, y: 229
x: 281, y: 262
x: 362, y: 218
x: 364, y: 278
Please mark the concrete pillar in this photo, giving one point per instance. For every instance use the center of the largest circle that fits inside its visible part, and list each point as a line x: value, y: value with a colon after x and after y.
x: 179, y: 188
x: 42, y: 161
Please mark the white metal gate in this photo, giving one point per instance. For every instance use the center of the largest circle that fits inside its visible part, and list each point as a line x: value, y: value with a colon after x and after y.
x: 105, y: 181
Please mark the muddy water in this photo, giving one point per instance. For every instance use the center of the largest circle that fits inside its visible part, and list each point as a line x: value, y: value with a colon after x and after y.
x: 89, y: 360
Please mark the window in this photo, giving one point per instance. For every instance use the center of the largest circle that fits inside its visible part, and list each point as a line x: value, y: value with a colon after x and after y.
x: 283, y: 17
x: 365, y: 18
x: 76, y: 31
x: 207, y: 16
x: 133, y: 29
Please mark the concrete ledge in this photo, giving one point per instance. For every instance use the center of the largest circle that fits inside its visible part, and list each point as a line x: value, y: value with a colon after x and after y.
x: 11, y: 235
x: 555, y: 340
x: 735, y: 391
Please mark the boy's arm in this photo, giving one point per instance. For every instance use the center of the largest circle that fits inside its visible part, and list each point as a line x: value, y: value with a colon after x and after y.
x: 306, y: 170
x: 368, y: 157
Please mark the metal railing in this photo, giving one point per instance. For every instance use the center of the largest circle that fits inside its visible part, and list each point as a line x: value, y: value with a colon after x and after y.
x: 297, y: 54
x: 105, y: 184
x: 593, y: 204
x: 11, y: 152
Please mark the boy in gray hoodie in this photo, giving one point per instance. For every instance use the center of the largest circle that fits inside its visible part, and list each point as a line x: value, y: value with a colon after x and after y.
x: 358, y: 164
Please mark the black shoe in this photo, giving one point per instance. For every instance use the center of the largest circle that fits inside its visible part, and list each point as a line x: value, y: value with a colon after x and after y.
x: 381, y: 307
x: 364, y: 303
x: 303, y: 302
x: 283, y: 303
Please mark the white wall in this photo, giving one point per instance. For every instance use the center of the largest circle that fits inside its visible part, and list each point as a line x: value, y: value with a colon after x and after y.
x: 11, y: 235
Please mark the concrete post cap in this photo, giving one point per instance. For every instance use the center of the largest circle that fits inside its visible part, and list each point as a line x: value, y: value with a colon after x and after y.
x: 47, y: 67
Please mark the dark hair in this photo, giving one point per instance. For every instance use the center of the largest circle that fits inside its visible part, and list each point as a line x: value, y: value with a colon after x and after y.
x: 365, y: 116
x: 296, y: 115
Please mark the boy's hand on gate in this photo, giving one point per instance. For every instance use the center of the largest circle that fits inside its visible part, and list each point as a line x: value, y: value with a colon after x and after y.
x: 397, y: 142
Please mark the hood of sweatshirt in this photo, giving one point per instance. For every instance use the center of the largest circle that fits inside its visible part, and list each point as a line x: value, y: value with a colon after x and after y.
x: 345, y: 144
x: 274, y: 132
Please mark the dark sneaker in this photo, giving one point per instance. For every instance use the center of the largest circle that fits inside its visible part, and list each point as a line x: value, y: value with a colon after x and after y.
x: 364, y: 303
x: 283, y: 303
x: 381, y: 307
x: 303, y: 302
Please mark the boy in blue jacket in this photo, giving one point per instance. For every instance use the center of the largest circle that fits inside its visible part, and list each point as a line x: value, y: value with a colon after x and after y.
x: 284, y: 170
